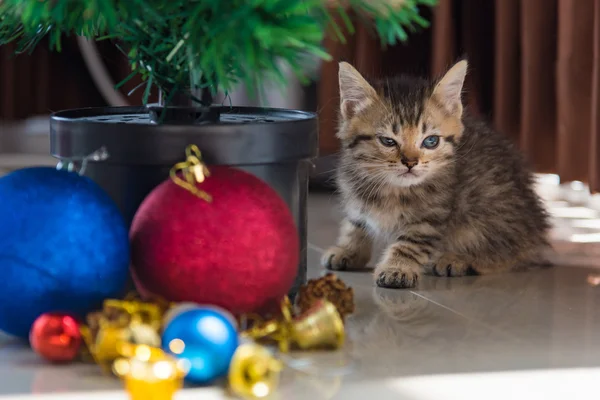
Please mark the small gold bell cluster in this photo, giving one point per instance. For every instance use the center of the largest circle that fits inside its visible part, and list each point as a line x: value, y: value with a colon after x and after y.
x: 319, y: 327
x: 124, y: 338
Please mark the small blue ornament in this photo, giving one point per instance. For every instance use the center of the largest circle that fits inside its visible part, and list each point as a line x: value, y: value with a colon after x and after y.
x: 63, y: 246
x: 206, y: 338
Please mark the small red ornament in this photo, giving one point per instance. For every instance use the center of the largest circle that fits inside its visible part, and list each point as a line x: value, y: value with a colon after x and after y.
x: 56, y: 337
x: 238, y: 251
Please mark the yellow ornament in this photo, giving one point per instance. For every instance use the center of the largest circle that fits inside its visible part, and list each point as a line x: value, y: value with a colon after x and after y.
x: 320, y: 327
x: 253, y: 372
x: 104, y: 347
x: 137, y: 311
x: 122, y: 321
x: 148, y: 372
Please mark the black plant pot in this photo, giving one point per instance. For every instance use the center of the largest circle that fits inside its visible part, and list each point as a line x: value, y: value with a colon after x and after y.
x: 273, y: 144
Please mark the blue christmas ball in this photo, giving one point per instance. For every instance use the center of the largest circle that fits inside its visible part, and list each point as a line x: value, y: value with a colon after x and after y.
x: 205, y: 338
x: 63, y: 246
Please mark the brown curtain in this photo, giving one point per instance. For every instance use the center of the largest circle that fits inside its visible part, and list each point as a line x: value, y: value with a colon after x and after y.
x: 46, y: 81
x: 534, y: 73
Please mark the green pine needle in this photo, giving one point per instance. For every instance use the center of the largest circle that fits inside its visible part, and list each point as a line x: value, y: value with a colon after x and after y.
x: 212, y: 44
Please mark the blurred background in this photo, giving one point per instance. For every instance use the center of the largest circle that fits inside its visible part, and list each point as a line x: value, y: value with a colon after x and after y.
x: 535, y: 74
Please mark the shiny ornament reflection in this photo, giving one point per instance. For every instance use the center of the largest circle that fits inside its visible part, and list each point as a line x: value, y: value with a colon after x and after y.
x: 56, y: 337
x: 149, y: 373
x: 121, y: 321
x: 104, y: 348
x: 136, y: 311
x: 320, y: 327
x: 254, y: 372
x: 176, y: 310
x: 206, y: 338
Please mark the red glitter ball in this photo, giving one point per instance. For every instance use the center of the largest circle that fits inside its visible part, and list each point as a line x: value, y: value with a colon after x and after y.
x: 56, y: 337
x: 239, y: 252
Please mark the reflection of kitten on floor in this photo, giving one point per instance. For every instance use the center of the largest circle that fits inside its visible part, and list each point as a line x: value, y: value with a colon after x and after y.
x: 452, y: 196
x: 402, y: 324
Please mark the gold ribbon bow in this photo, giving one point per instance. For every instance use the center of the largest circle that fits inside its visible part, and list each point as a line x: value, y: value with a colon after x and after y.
x: 193, y: 171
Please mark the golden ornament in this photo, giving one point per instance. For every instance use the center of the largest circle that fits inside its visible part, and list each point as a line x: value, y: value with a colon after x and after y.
x: 253, y: 372
x: 137, y: 311
x: 121, y: 321
x: 148, y: 372
x: 320, y: 327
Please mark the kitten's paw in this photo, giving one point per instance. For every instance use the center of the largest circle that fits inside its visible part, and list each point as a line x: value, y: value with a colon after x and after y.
x: 450, y: 265
x: 396, y: 276
x: 340, y: 259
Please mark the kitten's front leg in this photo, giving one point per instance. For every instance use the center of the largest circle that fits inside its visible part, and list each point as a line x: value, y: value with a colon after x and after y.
x: 404, y: 260
x: 353, y: 249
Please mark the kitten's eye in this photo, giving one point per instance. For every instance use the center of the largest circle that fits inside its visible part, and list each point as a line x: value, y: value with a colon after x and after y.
x: 387, y: 142
x: 431, y: 142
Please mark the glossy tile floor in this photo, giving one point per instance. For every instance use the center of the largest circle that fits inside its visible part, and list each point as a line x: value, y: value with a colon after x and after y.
x: 523, y: 335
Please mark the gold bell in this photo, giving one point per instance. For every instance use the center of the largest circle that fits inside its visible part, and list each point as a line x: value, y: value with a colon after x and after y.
x: 321, y: 326
x: 277, y: 330
x: 253, y: 372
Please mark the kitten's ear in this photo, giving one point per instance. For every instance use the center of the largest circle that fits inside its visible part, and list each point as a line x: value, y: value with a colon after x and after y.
x: 355, y: 92
x: 449, y: 89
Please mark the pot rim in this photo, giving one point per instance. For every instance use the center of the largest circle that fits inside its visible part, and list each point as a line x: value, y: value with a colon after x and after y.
x: 280, y: 135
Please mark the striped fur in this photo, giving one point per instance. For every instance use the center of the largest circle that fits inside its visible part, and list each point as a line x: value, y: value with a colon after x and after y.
x: 466, y: 207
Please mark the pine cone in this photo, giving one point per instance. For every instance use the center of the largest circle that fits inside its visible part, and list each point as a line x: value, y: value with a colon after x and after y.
x: 328, y: 287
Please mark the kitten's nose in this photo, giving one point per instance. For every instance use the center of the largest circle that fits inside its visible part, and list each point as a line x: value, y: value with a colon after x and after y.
x: 409, y: 163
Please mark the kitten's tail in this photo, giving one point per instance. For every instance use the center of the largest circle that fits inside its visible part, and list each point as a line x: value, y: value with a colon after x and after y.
x: 540, y: 259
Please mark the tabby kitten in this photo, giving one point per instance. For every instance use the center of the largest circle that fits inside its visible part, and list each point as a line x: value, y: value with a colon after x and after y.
x: 452, y: 196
